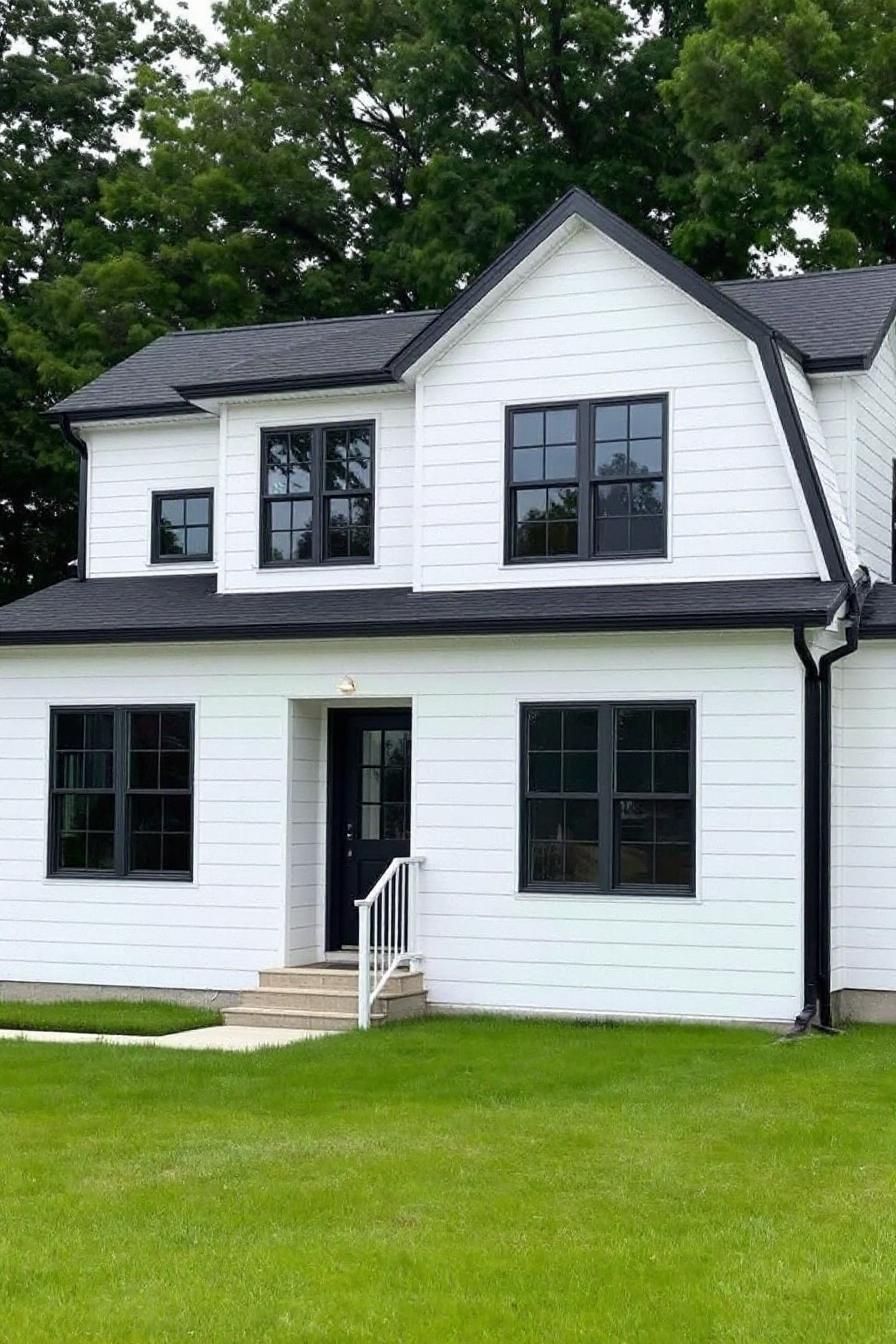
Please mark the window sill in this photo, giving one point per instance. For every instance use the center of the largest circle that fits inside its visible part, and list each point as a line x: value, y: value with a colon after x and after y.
x: 315, y: 564
x: 526, y: 562
x: 623, y: 896
x: 132, y: 879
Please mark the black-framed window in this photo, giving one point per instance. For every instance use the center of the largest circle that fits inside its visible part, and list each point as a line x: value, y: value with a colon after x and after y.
x: 182, y: 525
x: 587, y: 480
x: 893, y: 524
x: 121, y: 792
x: 608, y: 798
x: 317, y: 495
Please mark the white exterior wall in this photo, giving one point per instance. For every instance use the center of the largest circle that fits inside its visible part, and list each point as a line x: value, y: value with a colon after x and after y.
x: 824, y: 465
x: 863, y: 898
x: 392, y: 412
x: 733, y: 952
x: 858, y: 414
x: 126, y: 463
x: 307, y: 833
x: 875, y: 426
x: 594, y: 322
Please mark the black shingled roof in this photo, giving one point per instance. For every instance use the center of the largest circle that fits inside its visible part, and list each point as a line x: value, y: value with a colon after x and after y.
x: 323, y: 353
x: 187, y: 607
x: 832, y: 320
x: 837, y: 319
x: 879, y: 613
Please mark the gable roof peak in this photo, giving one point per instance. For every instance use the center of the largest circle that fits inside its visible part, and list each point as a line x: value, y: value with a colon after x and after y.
x: 578, y: 203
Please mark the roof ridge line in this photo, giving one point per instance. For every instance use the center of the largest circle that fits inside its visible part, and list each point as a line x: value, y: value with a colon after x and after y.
x: 301, y: 322
x: 808, y: 275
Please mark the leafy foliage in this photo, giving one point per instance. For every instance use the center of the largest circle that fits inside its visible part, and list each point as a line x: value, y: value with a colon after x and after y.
x: 338, y: 156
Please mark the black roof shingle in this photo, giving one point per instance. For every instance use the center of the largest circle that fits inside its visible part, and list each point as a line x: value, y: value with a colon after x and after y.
x: 831, y: 319
x: 188, y: 607
x: 319, y: 352
x: 837, y: 319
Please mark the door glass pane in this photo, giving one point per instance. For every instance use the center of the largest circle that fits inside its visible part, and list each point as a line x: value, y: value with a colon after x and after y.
x: 372, y: 748
x: 370, y: 822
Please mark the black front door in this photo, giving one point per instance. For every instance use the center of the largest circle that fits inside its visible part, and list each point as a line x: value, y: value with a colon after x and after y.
x: 370, y: 808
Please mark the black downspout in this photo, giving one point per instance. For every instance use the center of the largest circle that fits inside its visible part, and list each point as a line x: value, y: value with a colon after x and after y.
x: 816, y: 1010
x: 81, y: 448
x: 811, y: 835
x: 825, y: 664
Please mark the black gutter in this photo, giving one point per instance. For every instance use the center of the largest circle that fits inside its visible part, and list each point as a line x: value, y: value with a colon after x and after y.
x: 80, y: 448
x: 293, y: 383
x: 816, y: 1010
x: 135, y: 411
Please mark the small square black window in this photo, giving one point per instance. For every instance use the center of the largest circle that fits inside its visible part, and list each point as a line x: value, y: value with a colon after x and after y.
x: 181, y: 526
x: 608, y: 798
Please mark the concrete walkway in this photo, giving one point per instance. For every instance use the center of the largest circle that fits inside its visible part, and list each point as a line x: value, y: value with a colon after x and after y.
x: 202, y: 1038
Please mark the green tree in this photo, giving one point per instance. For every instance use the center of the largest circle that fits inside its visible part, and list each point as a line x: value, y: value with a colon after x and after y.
x: 73, y: 77
x: 786, y: 106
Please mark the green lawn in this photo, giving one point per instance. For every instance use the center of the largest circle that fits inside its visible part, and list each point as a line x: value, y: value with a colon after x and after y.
x: 441, y: 1181
x: 110, y: 1016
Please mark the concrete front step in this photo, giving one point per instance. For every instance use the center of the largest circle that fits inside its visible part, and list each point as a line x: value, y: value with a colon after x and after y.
x: 330, y: 1001
x: 295, y: 1021
x: 335, y: 980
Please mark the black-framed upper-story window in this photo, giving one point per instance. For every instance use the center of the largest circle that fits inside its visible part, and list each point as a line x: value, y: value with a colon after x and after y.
x: 608, y: 798
x: 182, y: 525
x: 317, y: 493
x: 893, y: 524
x: 121, y: 792
x: 587, y: 480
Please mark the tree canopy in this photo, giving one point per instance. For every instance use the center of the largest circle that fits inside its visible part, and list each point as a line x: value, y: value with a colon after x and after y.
x: 338, y: 156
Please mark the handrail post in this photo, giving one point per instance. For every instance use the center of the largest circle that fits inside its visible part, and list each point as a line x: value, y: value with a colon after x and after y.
x: 363, y: 967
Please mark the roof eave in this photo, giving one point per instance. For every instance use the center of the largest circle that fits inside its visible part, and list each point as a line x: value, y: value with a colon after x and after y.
x: 758, y: 619
x: 132, y: 412
x: 840, y: 364
x: 260, y: 386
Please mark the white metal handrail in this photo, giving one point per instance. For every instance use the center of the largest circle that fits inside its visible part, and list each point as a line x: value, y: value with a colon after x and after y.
x: 386, y: 931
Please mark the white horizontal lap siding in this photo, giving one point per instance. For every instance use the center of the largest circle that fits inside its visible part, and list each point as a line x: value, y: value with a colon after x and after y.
x: 864, y: 819
x: 592, y: 322
x: 733, y: 952
x: 824, y: 465
x: 126, y: 464
x: 875, y: 429
x: 835, y: 402
x: 392, y: 414
x: 212, y: 933
x: 306, y: 853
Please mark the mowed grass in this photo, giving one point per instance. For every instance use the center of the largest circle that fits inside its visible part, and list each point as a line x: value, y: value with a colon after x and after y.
x: 110, y: 1017
x: 453, y: 1180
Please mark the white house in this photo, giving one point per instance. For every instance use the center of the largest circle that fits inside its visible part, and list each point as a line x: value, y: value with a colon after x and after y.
x: 568, y: 607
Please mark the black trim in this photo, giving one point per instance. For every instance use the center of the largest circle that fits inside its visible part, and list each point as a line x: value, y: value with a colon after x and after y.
x: 134, y: 411
x: 121, y: 791
x: 578, y: 203
x: 80, y: 448
x: 318, y: 496
x: 291, y: 383
x: 817, y: 815
x: 156, y: 557
x: 606, y: 796
x: 586, y: 481
x: 803, y: 461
